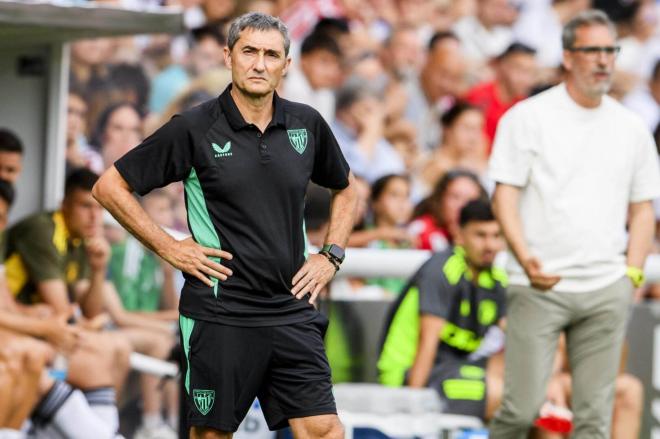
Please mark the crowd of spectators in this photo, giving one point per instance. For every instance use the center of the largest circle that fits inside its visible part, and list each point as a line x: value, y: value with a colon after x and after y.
x: 413, y: 91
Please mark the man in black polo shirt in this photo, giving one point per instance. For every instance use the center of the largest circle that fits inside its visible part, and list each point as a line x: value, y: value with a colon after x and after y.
x: 247, y: 321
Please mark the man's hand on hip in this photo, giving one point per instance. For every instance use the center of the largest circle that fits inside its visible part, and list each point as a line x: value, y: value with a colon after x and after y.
x: 195, y: 259
x: 315, y: 273
x: 537, y: 278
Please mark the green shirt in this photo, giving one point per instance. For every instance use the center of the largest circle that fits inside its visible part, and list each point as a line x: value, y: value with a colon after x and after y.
x: 137, y: 275
x: 38, y: 249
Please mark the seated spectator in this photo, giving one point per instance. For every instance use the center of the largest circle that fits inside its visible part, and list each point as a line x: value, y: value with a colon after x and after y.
x: 441, y: 81
x: 11, y: 156
x: 540, y: 25
x: 403, y: 54
x: 142, y: 302
x: 436, y: 217
x: 463, y: 145
x: 640, y: 49
x: 58, y: 258
x: 488, y: 32
x: 55, y: 404
x: 118, y: 131
x: 79, y: 154
x: 206, y: 54
x: 515, y: 76
x: 359, y: 130
x: 628, y: 398
x: 458, y: 295
x: 645, y: 100
x: 318, y: 75
x: 391, y: 209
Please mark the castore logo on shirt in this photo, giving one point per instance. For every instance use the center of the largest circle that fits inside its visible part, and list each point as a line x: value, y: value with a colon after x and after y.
x: 224, y: 151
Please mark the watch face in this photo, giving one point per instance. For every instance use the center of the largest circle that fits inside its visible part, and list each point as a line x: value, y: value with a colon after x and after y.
x: 336, y: 251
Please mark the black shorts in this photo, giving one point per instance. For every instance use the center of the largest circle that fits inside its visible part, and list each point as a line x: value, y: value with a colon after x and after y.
x: 226, y: 367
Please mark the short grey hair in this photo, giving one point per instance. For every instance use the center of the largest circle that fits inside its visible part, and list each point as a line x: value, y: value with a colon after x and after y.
x: 257, y: 21
x: 354, y: 90
x: 587, y: 18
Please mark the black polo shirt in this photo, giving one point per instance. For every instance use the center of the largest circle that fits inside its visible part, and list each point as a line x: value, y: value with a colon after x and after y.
x: 245, y: 194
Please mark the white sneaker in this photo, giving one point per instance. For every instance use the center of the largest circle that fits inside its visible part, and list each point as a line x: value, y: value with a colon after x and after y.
x: 163, y: 431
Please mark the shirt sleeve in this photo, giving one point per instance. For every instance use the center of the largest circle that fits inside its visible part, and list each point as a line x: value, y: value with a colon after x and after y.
x: 41, y: 258
x: 434, y: 295
x: 511, y: 159
x: 162, y: 158
x: 646, y: 178
x: 330, y: 167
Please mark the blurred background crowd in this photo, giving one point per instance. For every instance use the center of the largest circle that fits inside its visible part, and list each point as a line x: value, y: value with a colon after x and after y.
x: 413, y: 91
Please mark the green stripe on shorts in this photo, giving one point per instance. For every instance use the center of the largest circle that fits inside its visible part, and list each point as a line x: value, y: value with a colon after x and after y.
x: 187, y: 325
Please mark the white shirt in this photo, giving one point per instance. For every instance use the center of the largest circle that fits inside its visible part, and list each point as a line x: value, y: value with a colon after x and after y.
x: 578, y: 169
x: 480, y: 44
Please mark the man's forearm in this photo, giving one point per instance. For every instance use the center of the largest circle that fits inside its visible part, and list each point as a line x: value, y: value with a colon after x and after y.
x: 505, y: 207
x: 92, y: 303
x: 342, y: 214
x: 640, y: 229
x: 116, y: 196
x: 22, y: 324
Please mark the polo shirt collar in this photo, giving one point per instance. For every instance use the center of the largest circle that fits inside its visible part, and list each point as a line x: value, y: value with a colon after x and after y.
x: 235, y: 118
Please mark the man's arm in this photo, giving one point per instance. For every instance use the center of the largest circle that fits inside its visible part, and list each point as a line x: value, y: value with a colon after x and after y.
x: 317, y: 271
x: 114, y: 193
x: 506, y: 209
x: 125, y: 318
x: 429, y: 337
x: 641, y: 226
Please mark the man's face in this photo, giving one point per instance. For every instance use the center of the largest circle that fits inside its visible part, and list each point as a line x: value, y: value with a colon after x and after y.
x: 257, y: 62
x: 75, y: 119
x: 405, y: 51
x: 444, y: 72
x: 482, y: 241
x: 517, y: 72
x: 82, y: 213
x: 11, y: 164
x: 123, y: 133
x: 206, y: 55
x: 591, y: 72
x: 322, y: 69
x: 4, y: 214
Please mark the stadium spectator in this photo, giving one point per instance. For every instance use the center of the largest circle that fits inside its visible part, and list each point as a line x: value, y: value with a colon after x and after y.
x: 640, y: 49
x: 488, y: 32
x: 54, y: 256
x: 441, y: 81
x: 390, y: 213
x: 540, y: 25
x: 205, y: 54
x: 403, y: 54
x: 628, y: 397
x: 645, y: 100
x: 436, y: 216
x: 515, y: 75
x: 564, y: 275
x: 359, y: 129
x: 118, y: 131
x: 463, y: 145
x: 55, y: 404
x: 143, y: 285
x: 319, y: 73
x: 79, y: 154
x: 11, y: 156
x: 460, y: 295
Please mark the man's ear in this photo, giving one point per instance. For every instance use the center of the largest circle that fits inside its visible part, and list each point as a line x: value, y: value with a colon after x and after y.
x: 226, y: 53
x: 567, y: 60
x: 286, y: 65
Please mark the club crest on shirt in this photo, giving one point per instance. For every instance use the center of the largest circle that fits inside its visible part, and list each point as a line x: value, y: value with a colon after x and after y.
x: 204, y: 400
x: 298, y: 139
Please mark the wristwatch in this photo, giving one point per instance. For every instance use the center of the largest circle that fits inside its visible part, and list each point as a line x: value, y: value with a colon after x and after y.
x: 334, y: 253
x: 636, y: 275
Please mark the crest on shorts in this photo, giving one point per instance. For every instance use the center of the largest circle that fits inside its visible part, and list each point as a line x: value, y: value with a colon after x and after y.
x: 204, y: 400
x: 298, y: 139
